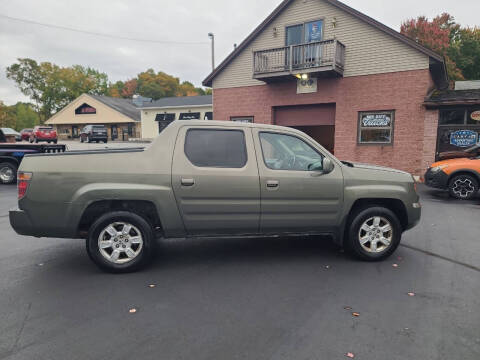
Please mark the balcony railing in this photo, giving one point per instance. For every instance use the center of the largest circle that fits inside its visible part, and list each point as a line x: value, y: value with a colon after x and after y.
x: 318, y: 56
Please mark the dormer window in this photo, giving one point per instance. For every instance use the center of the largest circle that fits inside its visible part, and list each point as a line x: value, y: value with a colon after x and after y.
x: 85, y: 109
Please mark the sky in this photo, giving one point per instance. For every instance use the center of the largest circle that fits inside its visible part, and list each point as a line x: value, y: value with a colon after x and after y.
x: 180, y: 29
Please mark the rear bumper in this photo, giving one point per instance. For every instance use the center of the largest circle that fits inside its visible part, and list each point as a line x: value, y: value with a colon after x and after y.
x: 438, y: 180
x: 101, y: 137
x: 20, y: 222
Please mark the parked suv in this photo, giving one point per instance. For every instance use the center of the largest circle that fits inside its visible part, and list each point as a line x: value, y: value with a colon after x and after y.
x: 461, y: 177
x: 95, y: 133
x: 43, y: 133
x: 212, y: 179
x: 26, y: 133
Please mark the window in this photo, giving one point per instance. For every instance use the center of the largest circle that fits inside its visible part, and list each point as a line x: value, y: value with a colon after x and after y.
x: 452, y: 117
x: 165, y: 117
x: 242, y: 119
x: 208, y: 116
x: 286, y: 152
x: 216, y: 148
x: 304, y: 33
x: 376, y: 127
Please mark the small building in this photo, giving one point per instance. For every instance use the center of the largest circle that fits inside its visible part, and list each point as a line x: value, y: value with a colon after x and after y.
x: 120, y: 116
x: 353, y: 84
x: 156, y: 115
x: 458, y: 115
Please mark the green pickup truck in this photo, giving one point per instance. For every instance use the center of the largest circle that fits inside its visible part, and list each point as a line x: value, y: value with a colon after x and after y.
x: 212, y: 179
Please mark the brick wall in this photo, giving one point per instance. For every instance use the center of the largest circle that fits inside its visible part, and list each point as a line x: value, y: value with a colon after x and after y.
x: 404, y: 92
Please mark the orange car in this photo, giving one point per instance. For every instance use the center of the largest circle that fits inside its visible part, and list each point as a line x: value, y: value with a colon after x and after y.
x: 460, y: 176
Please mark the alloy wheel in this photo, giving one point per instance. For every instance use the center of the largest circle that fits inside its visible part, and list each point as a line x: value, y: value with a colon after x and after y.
x: 7, y: 174
x: 375, y: 234
x: 463, y: 188
x: 120, y: 242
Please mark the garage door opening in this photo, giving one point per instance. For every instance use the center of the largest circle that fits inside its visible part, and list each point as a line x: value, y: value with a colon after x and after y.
x: 317, y: 121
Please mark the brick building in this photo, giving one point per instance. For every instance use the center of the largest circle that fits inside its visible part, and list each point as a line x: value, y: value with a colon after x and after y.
x: 350, y: 82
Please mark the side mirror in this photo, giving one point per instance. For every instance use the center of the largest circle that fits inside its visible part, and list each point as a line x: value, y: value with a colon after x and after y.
x: 328, y: 165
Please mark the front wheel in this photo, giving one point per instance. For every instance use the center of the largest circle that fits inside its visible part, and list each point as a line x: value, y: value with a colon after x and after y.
x: 374, y: 234
x: 120, y: 242
x: 8, y: 173
x: 463, y: 187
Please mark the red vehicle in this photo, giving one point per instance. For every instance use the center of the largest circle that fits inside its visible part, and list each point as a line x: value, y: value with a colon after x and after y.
x: 26, y: 133
x: 43, y: 133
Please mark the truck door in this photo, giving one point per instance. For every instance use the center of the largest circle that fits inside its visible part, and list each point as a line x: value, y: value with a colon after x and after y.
x: 215, y: 180
x: 293, y: 198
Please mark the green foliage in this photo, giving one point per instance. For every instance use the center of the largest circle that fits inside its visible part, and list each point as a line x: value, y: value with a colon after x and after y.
x: 460, y: 46
x: 155, y: 85
x: 465, y: 52
x: 19, y: 116
x: 52, y: 87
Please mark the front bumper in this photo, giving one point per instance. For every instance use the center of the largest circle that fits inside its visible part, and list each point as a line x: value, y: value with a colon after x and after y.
x: 437, y: 179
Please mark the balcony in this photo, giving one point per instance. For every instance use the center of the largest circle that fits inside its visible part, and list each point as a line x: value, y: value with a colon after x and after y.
x: 319, y: 59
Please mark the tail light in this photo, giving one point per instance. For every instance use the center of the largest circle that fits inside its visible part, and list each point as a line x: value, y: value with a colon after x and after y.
x: 23, y: 181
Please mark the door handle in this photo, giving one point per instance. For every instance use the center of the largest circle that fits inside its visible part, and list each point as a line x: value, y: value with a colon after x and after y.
x: 273, y: 184
x: 188, y: 182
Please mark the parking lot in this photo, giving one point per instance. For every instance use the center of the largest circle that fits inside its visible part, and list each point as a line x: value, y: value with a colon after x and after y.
x: 248, y: 299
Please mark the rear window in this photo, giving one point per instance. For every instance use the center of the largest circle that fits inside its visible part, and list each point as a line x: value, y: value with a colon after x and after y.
x: 216, y: 148
x: 45, y: 129
x: 98, y: 127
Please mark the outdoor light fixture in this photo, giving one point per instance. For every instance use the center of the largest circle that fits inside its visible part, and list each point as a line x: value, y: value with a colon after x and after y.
x: 304, y: 76
x: 334, y: 22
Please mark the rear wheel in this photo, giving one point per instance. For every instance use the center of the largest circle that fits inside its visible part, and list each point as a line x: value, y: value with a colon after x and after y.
x: 36, y: 140
x: 463, y: 187
x: 55, y: 141
x: 120, y: 242
x: 374, y: 234
x: 8, y: 173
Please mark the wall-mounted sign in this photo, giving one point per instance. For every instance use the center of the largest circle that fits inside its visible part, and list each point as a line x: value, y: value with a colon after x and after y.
x: 85, y: 109
x: 306, y: 86
x: 376, y: 120
x: 463, y: 138
x: 190, y: 116
x: 475, y: 115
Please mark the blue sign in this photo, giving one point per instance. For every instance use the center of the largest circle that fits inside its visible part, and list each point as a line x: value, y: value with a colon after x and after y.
x: 464, y: 138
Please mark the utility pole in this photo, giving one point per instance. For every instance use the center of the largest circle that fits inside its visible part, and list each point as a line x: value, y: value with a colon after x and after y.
x: 212, y: 37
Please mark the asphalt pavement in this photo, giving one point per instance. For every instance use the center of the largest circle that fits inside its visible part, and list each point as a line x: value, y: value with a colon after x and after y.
x: 248, y: 299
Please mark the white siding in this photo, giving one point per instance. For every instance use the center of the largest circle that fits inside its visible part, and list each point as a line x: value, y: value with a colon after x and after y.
x: 150, y: 126
x: 368, y: 49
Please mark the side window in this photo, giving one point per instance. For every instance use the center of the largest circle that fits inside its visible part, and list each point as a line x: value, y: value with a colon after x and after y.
x: 286, y: 152
x: 216, y: 148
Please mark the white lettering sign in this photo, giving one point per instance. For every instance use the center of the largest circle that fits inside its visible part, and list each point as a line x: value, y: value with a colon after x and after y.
x: 376, y: 120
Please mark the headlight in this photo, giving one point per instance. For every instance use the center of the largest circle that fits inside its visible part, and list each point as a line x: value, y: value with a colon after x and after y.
x: 438, y: 168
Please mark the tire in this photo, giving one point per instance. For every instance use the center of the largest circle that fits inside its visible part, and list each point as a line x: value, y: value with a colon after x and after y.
x: 88, y: 140
x: 36, y: 140
x: 30, y: 141
x: 55, y: 141
x: 463, y: 187
x: 49, y: 141
x: 365, y: 219
x: 97, y: 141
x: 105, y: 141
x: 8, y: 173
x: 81, y: 139
x: 143, y: 252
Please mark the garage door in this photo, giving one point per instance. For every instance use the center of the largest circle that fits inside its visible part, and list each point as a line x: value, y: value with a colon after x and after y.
x: 305, y: 115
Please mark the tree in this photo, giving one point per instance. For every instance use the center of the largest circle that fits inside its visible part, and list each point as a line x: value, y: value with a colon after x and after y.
x: 437, y: 35
x: 26, y: 116
x: 465, y: 52
x: 155, y: 85
x: 52, y: 87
